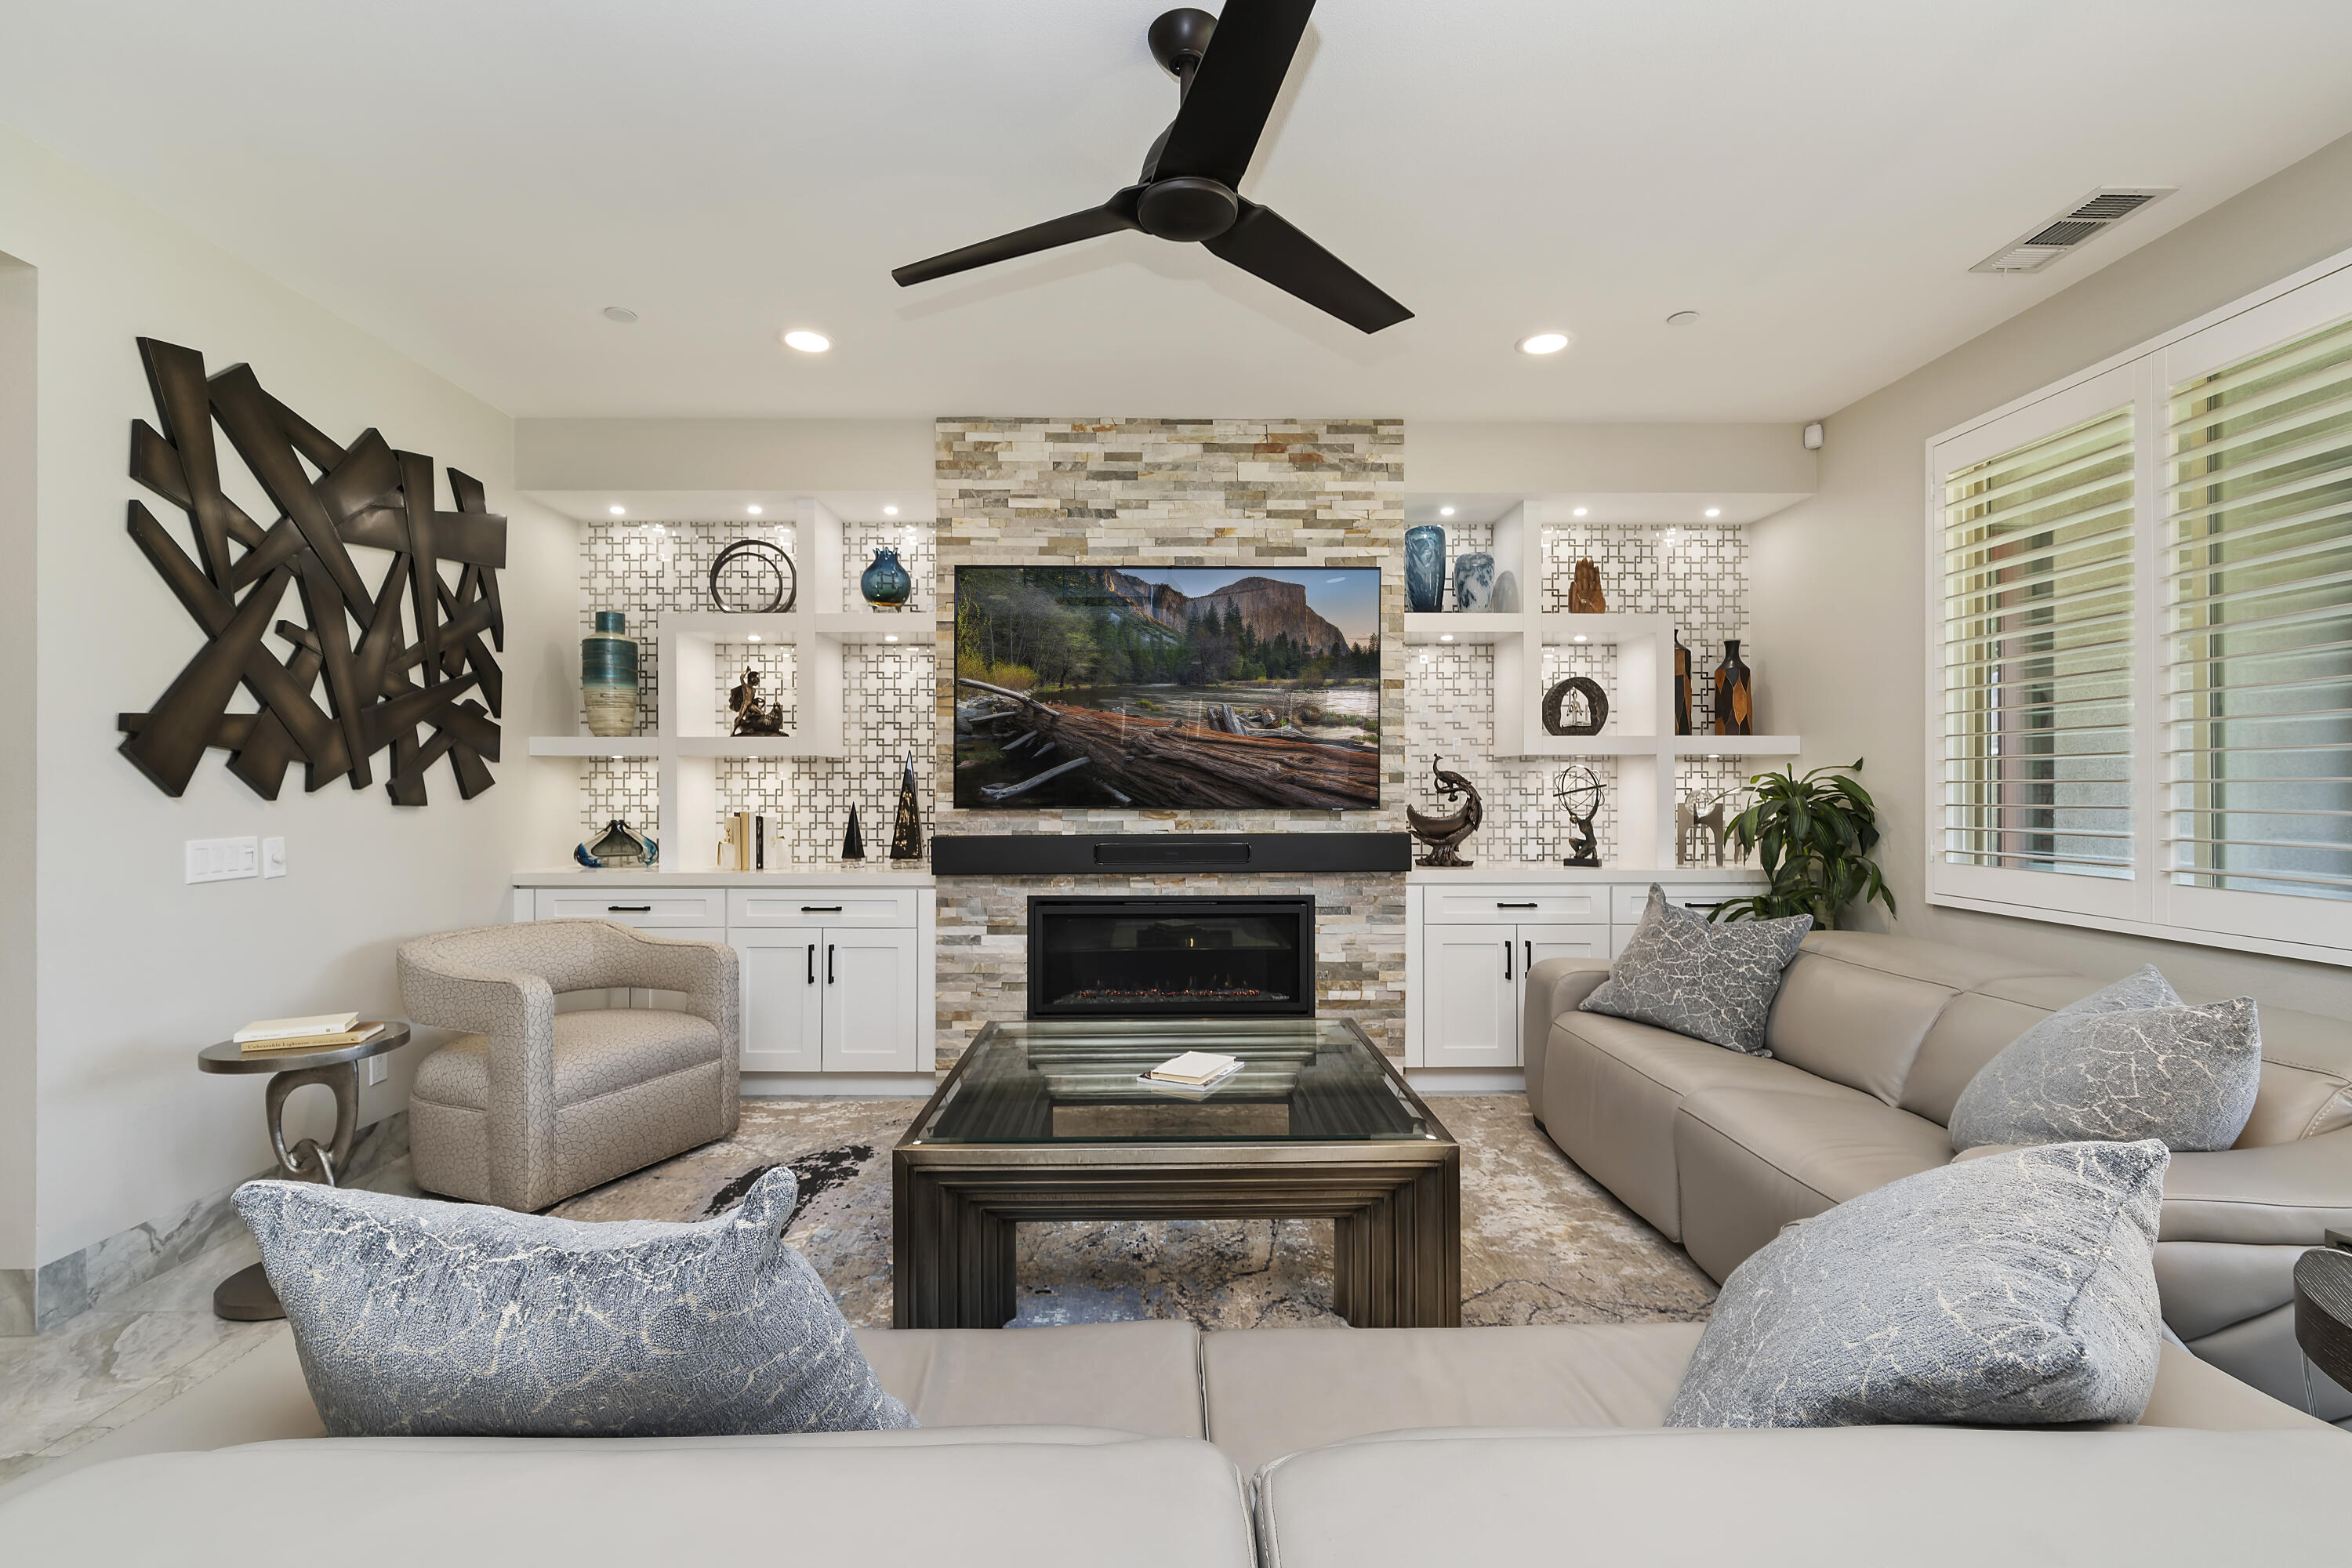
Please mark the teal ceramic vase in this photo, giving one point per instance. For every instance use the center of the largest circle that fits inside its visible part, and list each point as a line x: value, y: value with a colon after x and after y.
x: 608, y: 676
x: 884, y: 583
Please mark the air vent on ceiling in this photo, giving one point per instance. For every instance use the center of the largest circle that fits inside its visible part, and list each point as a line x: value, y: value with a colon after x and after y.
x: 2062, y: 232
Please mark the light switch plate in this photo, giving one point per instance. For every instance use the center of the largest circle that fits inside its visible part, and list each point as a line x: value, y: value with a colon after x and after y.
x: 273, y: 857
x: 375, y: 1069
x: 223, y: 859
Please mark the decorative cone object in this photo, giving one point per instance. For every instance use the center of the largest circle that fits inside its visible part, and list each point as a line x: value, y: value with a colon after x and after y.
x: 853, y: 843
x: 906, y: 829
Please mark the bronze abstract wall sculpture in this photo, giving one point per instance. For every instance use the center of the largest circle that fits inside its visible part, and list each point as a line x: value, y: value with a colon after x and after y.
x: 426, y: 693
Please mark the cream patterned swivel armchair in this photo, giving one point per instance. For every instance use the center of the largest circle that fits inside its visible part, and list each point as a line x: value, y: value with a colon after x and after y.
x: 530, y: 1105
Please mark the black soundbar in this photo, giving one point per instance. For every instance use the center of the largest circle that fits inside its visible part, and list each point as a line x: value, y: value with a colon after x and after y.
x: 1069, y: 855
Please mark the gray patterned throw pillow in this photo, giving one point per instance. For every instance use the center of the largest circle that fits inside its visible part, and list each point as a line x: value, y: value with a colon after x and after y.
x: 2130, y: 1061
x: 1714, y: 982
x: 420, y: 1319
x: 2016, y: 1290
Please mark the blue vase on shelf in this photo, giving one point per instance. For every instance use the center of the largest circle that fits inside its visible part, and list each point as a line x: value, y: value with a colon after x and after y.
x: 884, y: 582
x: 1473, y: 582
x: 1424, y: 568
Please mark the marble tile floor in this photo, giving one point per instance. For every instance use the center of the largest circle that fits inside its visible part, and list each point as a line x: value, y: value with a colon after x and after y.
x: 1542, y: 1243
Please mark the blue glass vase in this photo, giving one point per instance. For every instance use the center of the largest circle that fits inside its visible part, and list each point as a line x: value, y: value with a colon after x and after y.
x: 1473, y: 582
x: 608, y: 676
x: 1424, y: 568
x: 884, y: 583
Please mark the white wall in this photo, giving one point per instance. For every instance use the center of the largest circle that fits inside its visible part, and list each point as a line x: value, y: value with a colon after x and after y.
x: 135, y: 969
x: 1541, y: 458
x: 18, y: 1130
x: 1838, y: 579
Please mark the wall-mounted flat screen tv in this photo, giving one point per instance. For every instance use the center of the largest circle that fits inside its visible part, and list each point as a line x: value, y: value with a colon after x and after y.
x: 1207, y: 688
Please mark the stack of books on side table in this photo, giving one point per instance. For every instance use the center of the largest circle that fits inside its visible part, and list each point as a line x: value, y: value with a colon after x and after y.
x: 1193, y: 1073
x: 323, y: 1032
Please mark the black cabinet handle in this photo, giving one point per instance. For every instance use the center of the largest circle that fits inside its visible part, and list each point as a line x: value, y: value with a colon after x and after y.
x: 812, y: 979
x: 1507, y: 959
x: 1529, y: 965
x: 820, y: 909
x: 1528, y: 905
x: 628, y: 909
x: 828, y: 963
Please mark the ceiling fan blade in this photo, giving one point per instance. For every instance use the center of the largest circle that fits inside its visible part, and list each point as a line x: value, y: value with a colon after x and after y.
x: 1232, y: 91
x: 1263, y: 243
x: 1116, y: 214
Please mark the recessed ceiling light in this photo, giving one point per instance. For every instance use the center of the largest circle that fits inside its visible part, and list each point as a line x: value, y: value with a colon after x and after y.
x: 753, y: 510
x: 755, y: 637
x: 890, y: 511
x: 1579, y: 512
x: 808, y: 343
x: 1445, y: 636
x: 1445, y: 511
x: 620, y: 313
x: 618, y: 510
x: 889, y: 636
x: 1543, y: 344
x: 1683, y: 319
x: 1579, y: 637
x: 1715, y: 512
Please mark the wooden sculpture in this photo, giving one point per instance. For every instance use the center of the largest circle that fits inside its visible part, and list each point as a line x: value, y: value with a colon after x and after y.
x: 1584, y: 594
x: 409, y: 679
x: 1444, y: 834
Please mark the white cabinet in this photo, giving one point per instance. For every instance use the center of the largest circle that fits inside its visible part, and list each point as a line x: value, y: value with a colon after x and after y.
x: 1475, y: 978
x: 836, y: 977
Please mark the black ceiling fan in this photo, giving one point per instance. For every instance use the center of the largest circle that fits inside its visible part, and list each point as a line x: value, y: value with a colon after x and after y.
x: 1186, y: 190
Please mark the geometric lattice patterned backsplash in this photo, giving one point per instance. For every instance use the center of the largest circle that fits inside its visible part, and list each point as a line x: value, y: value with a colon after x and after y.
x: 645, y: 570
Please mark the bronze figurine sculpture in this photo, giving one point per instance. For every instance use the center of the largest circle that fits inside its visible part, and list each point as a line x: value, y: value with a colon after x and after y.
x: 753, y: 716
x: 1443, y: 834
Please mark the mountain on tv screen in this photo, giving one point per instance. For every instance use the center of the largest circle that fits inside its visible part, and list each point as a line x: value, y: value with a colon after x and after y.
x: 1208, y: 687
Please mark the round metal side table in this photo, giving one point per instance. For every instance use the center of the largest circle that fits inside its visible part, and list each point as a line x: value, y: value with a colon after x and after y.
x: 2323, y: 1306
x: 245, y: 1296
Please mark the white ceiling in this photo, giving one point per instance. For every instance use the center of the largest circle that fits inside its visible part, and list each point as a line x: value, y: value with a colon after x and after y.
x: 475, y: 182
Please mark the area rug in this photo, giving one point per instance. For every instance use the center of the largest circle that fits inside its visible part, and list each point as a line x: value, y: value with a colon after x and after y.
x: 1541, y: 1242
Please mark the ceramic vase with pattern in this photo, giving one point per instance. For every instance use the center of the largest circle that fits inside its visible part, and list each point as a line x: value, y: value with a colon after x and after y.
x: 1473, y: 582
x: 884, y: 582
x: 608, y: 676
x: 1735, y: 697
x: 1425, y: 569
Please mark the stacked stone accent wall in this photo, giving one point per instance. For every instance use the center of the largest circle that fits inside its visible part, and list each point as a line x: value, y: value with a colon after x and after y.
x: 1273, y: 493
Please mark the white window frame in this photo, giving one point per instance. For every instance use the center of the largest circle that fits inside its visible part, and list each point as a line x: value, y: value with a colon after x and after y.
x: 2150, y: 903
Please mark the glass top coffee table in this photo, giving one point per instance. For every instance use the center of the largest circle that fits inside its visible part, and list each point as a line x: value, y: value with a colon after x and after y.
x: 1047, y: 1121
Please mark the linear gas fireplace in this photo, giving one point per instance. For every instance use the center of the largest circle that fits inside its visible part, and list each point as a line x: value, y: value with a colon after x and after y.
x: 1171, y: 957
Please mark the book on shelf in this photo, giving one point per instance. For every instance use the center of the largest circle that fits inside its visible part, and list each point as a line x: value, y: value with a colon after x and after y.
x: 1196, y: 1070
x: 333, y: 1041
x: 294, y: 1029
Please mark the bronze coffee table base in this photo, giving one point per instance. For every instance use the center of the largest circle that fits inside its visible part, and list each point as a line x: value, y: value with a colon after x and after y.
x: 1396, y: 1197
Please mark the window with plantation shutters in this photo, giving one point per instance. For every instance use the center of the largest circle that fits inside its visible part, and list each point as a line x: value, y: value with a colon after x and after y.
x: 2258, y: 623
x: 2038, y: 621
x: 2140, y: 674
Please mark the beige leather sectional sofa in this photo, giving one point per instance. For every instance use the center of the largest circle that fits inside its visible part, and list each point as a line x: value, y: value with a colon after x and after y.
x: 1153, y: 1445
x: 1873, y: 1039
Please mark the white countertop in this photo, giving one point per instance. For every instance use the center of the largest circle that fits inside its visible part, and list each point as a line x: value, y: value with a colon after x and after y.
x: 786, y: 877
x: 1519, y: 871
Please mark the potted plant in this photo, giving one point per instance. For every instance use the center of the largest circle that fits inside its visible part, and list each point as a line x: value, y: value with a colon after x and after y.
x: 1812, y: 838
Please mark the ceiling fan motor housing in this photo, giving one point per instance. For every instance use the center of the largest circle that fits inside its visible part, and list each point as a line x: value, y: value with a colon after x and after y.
x: 1187, y: 208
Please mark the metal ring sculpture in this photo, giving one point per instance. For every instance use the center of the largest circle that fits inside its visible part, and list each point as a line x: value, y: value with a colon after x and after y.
x: 778, y: 567
x: 1595, y: 700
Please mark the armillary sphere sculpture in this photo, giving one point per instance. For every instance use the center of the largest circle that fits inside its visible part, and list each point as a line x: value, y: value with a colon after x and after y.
x: 1578, y: 791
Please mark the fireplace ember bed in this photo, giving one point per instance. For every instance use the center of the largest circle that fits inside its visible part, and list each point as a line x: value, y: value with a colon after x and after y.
x: 1171, y: 957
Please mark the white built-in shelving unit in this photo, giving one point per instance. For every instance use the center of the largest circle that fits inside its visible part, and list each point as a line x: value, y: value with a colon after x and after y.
x: 689, y: 737
x: 1648, y: 754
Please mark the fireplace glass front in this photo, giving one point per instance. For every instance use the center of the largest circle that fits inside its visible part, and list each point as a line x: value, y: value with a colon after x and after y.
x: 1171, y: 957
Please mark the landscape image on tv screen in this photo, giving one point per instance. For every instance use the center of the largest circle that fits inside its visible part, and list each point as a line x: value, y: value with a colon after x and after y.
x: 1210, y: 688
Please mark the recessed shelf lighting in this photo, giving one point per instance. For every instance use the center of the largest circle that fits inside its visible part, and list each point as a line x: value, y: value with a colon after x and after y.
x: 1543, y: 344
x: 755, y: 637
x: 1445, y: 511
x: 1582, y: 511
x: 1683, y: 319
x: 1715, y: 512
x: 890, y: 511
x: 808, y: 343
x: 618, y: 510
x: 1445, y: 636
x: 620, y: 313
x: 1579, y: 637
x: 889, y: 636
x: 753, y: 510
